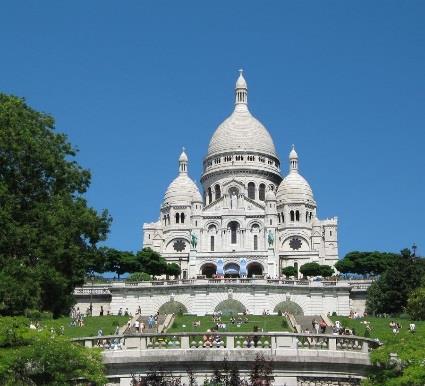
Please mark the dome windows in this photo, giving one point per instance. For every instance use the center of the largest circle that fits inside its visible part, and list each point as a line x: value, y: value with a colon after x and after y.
x: 251, y: 191
x: 262, y: 192
x: 217, y: 192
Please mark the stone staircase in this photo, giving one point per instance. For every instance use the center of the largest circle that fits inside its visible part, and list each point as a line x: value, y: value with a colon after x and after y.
x: 305, y: 322
x: 144, y: 319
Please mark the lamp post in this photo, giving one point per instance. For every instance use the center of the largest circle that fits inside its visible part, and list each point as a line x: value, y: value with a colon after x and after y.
x: 91, y: 274
x: 414, y: 247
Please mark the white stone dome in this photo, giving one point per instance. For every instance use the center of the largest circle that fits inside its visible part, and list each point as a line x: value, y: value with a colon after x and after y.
x: 294, y: 188
x: 241, y: 131
x: 182, y: 191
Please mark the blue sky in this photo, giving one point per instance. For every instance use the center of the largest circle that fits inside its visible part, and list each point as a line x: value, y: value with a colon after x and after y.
x: 131, y: 82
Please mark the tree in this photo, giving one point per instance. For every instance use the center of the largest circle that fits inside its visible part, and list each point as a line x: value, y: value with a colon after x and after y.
x: 326, y: 270
x: 310, y: 269
x: 289, y: 271
x: 416, y: 304
x: 119, y: 262
x: 173, y: 269
x: 390, y: 292
x: 48, y: 232
x: 33, y: 358
x: 372, y: 263
x: 151, y: 262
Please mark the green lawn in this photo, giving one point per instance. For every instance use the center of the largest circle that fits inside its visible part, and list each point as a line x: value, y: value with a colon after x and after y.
x: 90, y: 328
x: 184, y: 323
x: 381, y: 329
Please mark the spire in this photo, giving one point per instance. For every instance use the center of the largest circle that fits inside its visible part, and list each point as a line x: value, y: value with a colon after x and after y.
x: 241, y: 91
x: 183, y: 160
x: 293, y: 161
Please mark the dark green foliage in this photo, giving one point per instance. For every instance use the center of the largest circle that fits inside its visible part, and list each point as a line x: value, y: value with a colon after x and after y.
x: 416, y: 304
x: 29, y: 357
x: 48, y: 233
x: 390, y: 292
x: 326, y: 271
x: 310, y: 269
x: 289, y: 271
x: 138, y: 277
x: 173, y: 269
x: 372, y: 263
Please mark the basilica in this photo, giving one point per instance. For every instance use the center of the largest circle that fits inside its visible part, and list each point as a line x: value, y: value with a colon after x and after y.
x: 251, y: 220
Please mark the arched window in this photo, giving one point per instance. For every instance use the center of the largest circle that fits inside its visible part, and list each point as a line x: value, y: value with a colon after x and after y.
x: 234, y: 226
x: 262, y: 192
x: 209, y: 196
x: 217, y: 192
x: 177, y: 218
x: 292, y: 215
x: 311, y: 215
x: 251, y: 191
x: 182, y: 218
x: 278, y: 217
x: 283, y: 217
x: 255, y: 242
x: 297, y: 215
x: 306, y: 216
x: 212, y: 243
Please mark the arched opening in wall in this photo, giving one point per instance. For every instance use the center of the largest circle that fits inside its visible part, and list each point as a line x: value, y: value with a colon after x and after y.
x: 234, y: 227
x: 255, y: 269
x: 251, y: 191
x: 182, y: 218
x: 231, y: 270
x: 177, y: 218
x: 173, y: 307
x: 168, y: 219
x: 262, y: 192
x: 212, y: 242
x: 255, y: 242
x: 230, y: 307
x: 290, y: 307
x: 297, y: 215
x: 217, y: 192
x: 209, y: 196
x: 292, y: 215
x: 208, y: 270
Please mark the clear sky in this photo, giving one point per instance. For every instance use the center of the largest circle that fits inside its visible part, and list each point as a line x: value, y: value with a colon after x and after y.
x: 131, y: 82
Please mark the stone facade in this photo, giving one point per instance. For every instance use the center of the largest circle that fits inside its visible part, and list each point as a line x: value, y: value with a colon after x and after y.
x: 249, y: 220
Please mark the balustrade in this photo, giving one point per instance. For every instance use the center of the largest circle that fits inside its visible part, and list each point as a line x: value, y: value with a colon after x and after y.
x: 230, y: 341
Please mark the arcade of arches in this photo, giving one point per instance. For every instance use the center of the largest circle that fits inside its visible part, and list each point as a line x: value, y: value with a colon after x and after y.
x: 209, y: 270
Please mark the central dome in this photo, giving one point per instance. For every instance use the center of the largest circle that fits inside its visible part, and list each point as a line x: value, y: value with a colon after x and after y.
x: 241, y: 131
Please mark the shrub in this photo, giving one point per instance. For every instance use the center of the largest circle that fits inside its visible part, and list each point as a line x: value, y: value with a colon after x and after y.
x: 138, y: 276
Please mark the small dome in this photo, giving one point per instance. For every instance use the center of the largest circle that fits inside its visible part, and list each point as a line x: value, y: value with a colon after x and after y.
x: 241, y: 82
x: 294, y: 189
x: 270, y: 196
x: 182, y: 191
x: 183, y: 157
x: 293, y: 154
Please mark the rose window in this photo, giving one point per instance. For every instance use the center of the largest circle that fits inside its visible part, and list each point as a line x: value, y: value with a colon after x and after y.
x: 179, y: 245
x: 295, y: 243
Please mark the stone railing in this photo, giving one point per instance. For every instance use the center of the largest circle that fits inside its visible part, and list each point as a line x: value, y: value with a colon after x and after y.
x: 106, y: 289
x: 231, y: 341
